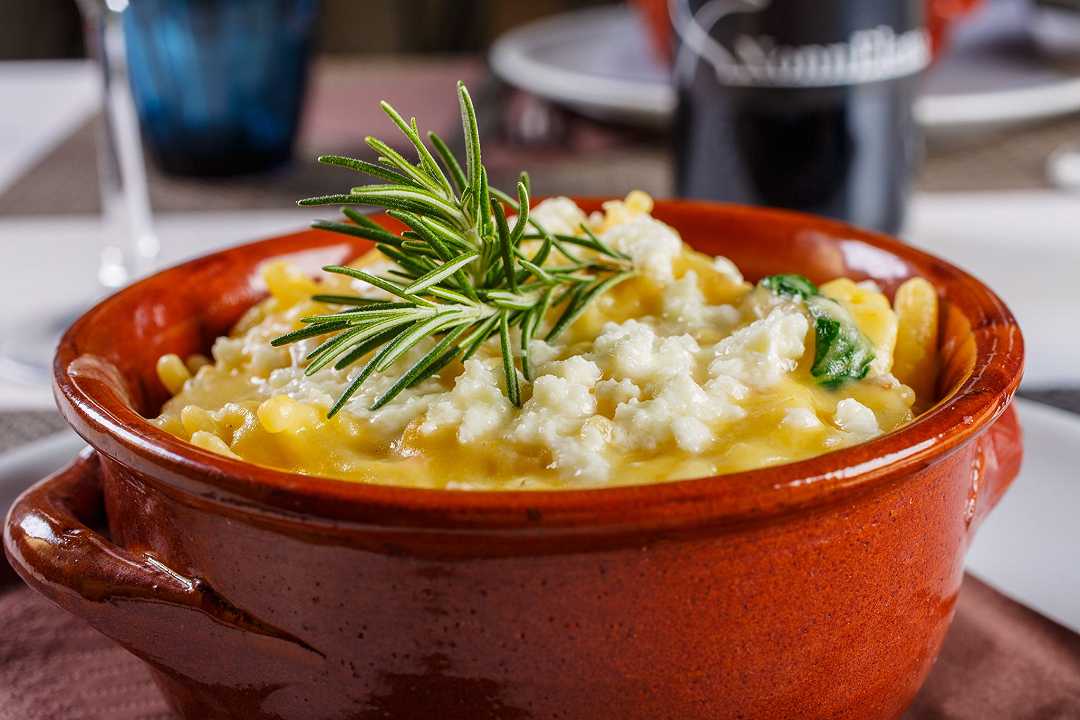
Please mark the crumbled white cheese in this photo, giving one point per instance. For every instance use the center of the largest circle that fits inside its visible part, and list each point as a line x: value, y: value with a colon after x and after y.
x: 727, y: 389
x: 228, y: 351
x: 800, y: 418
x: 651, y: 244
x: 265, y: 357
x: 854, y: 417
x: 559, y: 416
x: 761, y: 301
x: 476, y: 404
x: 575, y: 369
x: 559, y: 215
x: 728, y: 269
x: 582, y: 456
x: 540, y: 351
x: 633, y: 350
x: 681, y: 411
x: 761, y: 353
x: 691, y: 434
x: 610, y: 392
x: 324, y: 387
x: 253, y: 350
x: 684, y: 304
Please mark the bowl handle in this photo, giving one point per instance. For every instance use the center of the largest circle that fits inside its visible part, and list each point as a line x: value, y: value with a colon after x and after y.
x: 999, y: 453
x: 49, y: 543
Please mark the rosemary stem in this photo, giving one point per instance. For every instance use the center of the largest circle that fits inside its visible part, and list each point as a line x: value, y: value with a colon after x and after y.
x: 459, y: 276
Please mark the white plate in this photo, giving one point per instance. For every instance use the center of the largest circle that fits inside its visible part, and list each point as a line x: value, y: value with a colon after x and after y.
x: 24, y: 466
x: 69, y: 245
x: 595, y: 60
x: 598, y: 61
x: 44, y: 102
x: 1023, y: 245
x: 1027, y: 547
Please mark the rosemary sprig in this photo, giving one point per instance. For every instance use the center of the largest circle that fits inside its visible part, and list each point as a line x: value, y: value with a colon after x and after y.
x: 461, y: 275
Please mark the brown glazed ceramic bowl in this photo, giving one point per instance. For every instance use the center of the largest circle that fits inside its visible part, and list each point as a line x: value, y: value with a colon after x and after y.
x: 819, y: 589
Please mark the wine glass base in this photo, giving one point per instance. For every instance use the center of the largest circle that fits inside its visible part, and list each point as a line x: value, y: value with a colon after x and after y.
x: 27, y: 347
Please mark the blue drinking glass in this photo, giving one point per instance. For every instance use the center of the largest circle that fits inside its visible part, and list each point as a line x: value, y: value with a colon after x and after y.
x: 218, y: 84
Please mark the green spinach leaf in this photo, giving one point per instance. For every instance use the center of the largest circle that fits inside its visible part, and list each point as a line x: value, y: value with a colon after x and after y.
x: 794, y: 286
x: 841, y: 351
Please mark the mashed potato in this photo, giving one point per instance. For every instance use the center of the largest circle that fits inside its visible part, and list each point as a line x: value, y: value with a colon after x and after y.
x: 683, y: 371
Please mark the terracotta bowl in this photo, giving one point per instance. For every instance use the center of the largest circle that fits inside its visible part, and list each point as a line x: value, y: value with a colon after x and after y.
x: 819, y: 589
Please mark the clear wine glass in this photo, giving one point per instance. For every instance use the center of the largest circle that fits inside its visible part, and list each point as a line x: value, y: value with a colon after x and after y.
x: 129, y: 244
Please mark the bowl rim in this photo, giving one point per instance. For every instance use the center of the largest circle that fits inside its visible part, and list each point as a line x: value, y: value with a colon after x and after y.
x: 180, y: 468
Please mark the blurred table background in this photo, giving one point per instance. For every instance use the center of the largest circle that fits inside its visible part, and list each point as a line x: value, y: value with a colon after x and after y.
x: 983, y: 202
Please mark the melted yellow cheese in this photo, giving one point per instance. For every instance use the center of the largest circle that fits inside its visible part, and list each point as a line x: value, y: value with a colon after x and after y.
x: 683, y: 371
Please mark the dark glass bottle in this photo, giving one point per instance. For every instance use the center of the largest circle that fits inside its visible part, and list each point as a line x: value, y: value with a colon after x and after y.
x: 802, y: 104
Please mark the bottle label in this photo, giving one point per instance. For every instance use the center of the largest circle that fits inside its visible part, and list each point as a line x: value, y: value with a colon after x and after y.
x: 866, y: 55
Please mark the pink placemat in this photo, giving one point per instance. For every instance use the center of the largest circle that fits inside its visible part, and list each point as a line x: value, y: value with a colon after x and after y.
x: 1001, y: 661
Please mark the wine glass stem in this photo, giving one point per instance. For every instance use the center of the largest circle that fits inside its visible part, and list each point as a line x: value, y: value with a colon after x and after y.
x: 130, y: 245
